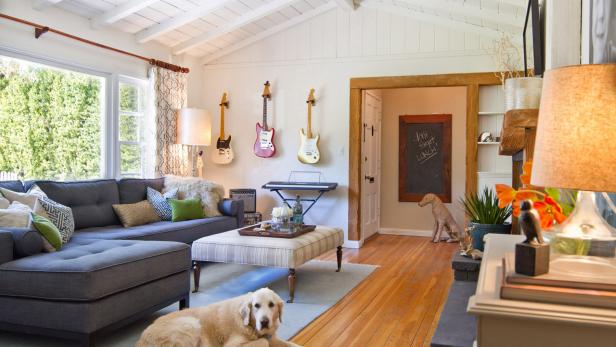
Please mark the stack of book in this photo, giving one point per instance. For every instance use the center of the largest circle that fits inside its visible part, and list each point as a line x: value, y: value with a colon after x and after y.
x: 594, y: 287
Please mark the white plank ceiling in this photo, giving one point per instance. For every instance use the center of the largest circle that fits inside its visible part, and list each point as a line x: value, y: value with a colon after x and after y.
x: 211, y: 28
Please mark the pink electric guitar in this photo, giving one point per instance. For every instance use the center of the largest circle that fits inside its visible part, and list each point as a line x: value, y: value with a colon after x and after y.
x: 264, y: 145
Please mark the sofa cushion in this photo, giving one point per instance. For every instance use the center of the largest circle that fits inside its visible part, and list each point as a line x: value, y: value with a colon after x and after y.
x: 88, y: 269
x: 90, y: 200
x: 159, y: 202
x: 16, y: 186
x: 187, y: 209
x: 30, y: 200
x: 186, y: 231
x: 6, y: 246
x: 139, y: 213
x: 26, y: 241
x: 49, y: 231
x: 133, y: 190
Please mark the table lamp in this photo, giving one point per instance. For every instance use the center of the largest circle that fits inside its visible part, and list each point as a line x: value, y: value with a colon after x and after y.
x: 576, y: 149
x: 194, y: 128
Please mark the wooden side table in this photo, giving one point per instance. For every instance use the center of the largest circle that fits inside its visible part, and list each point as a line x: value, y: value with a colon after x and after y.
x: 511, y: 323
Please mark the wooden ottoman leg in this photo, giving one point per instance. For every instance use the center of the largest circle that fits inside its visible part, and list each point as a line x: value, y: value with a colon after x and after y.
x: 291, y: 285
x: 196, y: 274
x: 339, y: 257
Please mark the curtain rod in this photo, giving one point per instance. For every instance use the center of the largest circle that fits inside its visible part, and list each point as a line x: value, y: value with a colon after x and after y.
x: 41, y: 29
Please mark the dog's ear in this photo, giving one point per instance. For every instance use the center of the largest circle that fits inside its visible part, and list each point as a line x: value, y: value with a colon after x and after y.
x: 279, y: 305
x: 245, y: 312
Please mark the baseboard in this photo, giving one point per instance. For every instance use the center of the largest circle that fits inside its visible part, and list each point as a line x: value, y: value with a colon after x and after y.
x: 405, y: 232
x: 353, y: 244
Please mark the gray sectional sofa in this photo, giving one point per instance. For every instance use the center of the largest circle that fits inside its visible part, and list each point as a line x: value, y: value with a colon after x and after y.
x: 106, y: 276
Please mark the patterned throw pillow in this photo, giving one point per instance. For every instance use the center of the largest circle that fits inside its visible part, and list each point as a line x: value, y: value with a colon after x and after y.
x: 61, y: 216
x: 159, y: 202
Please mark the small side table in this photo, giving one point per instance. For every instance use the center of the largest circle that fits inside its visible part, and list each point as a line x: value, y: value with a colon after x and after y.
x: 512, y: 323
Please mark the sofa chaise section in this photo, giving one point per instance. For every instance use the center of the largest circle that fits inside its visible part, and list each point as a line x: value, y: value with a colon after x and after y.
x: 91, y: 285
x: 88, y: 270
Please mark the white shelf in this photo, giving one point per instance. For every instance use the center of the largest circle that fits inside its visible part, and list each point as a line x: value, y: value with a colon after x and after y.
x: 489, y: 143
x: 491, y: 113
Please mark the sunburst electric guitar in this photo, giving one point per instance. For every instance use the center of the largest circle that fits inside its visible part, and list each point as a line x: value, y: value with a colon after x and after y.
x: 224, y: 152
x: 264, y: 145
x: 308, y: 150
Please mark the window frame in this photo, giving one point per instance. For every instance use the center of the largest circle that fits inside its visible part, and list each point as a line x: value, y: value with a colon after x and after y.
x: 142, y: 83
x: 110, y: 104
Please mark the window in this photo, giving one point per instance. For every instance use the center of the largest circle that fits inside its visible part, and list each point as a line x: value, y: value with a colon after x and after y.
x: 65, y: 123
x: 134, y: 131
x: 51, y: 121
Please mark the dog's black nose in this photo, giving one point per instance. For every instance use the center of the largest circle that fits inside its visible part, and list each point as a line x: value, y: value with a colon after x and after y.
x: 264, y: 322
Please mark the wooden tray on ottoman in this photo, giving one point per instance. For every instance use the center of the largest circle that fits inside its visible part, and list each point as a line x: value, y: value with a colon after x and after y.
x: 250, y: 231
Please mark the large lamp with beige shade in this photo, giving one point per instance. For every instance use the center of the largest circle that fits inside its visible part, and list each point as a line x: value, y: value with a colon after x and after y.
x: 194, y: 128
x: 576, y: 149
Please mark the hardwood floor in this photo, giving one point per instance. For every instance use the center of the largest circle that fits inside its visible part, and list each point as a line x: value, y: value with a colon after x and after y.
x: 398, y: 305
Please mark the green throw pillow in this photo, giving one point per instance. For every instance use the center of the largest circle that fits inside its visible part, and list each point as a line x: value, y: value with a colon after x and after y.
x: 186, y: 209
x: 49, y: 231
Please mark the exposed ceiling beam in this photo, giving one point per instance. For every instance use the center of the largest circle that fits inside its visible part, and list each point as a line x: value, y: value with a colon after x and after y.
x: 43, y: 4
x: 429, y: 18
x: 271, y: 31
x: 348, y: 5
x: 121, y: 11
x: 254, y: 15
x: 154, y: 31
x: 489, y: 15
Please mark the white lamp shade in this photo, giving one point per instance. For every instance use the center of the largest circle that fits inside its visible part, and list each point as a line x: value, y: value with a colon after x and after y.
x: 575, y: 146
x: 194, y: 127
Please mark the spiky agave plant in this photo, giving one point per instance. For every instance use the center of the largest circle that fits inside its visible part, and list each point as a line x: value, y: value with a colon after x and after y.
x: 483, y: 209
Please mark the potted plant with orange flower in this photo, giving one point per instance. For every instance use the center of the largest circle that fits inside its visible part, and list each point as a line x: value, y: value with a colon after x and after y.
x: 552, y: 205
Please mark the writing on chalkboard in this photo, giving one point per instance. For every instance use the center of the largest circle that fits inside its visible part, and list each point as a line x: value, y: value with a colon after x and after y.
x: 424, y: 158
x: 428, y: 148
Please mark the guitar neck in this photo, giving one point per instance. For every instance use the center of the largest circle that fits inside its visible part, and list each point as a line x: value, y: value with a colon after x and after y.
x: 309, y: 130
x: 222, y: 121
x: 265, y: 127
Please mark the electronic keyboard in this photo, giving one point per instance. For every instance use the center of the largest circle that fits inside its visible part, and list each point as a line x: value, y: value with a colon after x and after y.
x: 280, y: 185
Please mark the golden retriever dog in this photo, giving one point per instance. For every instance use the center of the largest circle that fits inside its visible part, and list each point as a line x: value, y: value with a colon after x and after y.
x: 250, y: 320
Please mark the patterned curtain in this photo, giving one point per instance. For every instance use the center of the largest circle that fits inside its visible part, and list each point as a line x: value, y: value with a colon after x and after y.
x: 170, y: 95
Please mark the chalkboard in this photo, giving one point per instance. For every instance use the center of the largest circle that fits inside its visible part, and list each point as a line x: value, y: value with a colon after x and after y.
x: 424, y: 164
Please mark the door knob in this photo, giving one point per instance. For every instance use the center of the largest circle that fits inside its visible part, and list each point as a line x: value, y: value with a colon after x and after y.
x: 369, y: 178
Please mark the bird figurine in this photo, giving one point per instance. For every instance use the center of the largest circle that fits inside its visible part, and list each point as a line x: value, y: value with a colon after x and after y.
x: 529, y: 223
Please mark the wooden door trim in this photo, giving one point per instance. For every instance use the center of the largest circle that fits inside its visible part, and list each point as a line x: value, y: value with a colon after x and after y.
x: 470, y: 80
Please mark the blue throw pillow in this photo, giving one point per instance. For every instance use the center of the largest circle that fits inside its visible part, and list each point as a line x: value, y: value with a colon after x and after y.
x: 159, y: 202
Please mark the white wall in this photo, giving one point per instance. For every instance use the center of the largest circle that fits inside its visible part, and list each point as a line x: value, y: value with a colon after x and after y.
x: 407, y: 217
x: 21, y: 37
x: 324, y: 53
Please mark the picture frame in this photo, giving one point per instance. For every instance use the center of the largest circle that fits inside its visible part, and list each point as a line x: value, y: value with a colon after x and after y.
x: 424, y: 157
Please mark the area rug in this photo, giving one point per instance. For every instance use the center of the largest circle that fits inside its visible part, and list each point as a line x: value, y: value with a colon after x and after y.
x: 318, y: 287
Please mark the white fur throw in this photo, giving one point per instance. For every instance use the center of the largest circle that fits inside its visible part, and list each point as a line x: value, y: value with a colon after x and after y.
x: 208, y: 192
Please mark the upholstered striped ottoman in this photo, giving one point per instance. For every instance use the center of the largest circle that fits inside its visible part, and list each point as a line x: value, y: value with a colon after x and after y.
x: 231, y: 247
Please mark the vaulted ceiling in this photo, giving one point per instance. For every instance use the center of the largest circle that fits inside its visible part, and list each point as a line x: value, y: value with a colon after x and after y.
x: 207, y: 28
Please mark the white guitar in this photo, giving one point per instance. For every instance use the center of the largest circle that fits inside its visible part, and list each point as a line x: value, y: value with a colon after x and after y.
x: 308, y: 150
x: 223, y: 153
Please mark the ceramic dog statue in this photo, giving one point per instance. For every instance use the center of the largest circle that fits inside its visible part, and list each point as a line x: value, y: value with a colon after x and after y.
x: 443, y: 219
